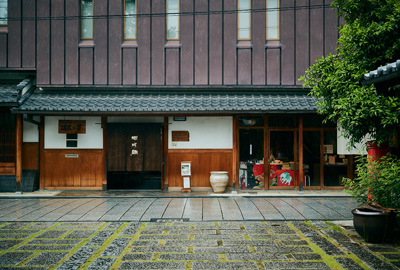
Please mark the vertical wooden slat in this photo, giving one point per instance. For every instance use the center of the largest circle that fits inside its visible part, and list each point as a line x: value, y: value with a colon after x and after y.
x: 164, y: 172
x: 235, y: 154
x: 41, y: 154
x: 301, y: 150
x: 100, y: 39
x: 18, y: 150
x: 115, y: 36
x: 287, y: 35
x: 229, y: 49
x: 302, y: 40
x: 215, y: 43
x: 143, y: 41
x: 186, y: 35
x: 57, y: 49
x: 43, y: 42
x: 104, y: 160
x: 157, y: 47
x: 201, y: 43
x: 14, y: 34
x: 72, y: 31
x: 28, y: 34
x: 258, y: 41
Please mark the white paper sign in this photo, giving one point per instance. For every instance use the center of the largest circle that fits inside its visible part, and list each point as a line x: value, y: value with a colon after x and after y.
x: 186, y: 182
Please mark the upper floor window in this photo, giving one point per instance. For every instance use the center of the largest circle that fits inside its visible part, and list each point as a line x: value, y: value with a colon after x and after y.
x: 130, y: 19
x: 3, y: 12
x: 87, y: 19
x: 244, y: 20
x: 272, y: 19
x: 173, y: 19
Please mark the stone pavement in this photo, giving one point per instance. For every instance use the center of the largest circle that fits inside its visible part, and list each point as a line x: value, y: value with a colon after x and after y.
x: 191, y: 209
x: 175, y: 244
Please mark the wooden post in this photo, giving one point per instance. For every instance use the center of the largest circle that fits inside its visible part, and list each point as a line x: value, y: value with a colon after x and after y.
x: 164, y: 167
x: 18, y: 152
x: 235, y: 165
x: 104, y: 161
x: 301, y: 172
x: 41, y: 153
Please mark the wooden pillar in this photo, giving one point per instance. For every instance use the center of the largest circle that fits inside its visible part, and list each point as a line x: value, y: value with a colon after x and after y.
x: 104, y: 161
x: 301, y: 172
x: 235, y: 165
x: 266, y: 154
x: 164, y: 178
x: 18, y: 152
x: 41, y: 154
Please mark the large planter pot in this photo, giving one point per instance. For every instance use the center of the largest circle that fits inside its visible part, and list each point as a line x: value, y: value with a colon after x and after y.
x: 219, y: 180
x: 374, y: 226
x: 375, y: 151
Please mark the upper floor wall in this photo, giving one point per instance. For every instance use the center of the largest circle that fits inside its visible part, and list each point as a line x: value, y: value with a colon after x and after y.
x: 208, y: 51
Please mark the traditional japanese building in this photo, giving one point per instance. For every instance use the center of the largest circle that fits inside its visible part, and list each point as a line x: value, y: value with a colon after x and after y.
x: 119, y: 93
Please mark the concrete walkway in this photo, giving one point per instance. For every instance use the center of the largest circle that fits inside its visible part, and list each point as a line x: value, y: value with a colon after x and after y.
x: 190, y: 209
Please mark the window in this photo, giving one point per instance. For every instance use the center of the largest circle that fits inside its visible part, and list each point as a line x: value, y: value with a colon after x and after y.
x: 3, y: 12
x: 244, y: 19
x: 72, y: 140
x: 173, y: 19
x: 272, y: 19
x: 130, y: 19
x: 87, y: 19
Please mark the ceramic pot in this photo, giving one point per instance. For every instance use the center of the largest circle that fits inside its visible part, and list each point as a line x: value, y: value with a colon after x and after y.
x: 374, y: 226
x: 219, y: 180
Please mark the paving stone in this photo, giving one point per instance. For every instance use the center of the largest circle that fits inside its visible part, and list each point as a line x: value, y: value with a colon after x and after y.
x: 15, y: 225
x: 113, y: 226
x: 101, y: 263
x: 348, y: 263
x: 77, y: 259
x: 267, y: 226
x: 25, y: 268
x: 205, y: 243
x: 131, y: 229
x: 380, y: 248
x: 274, y: 236
x: 233, y: 249
x: 225, y: 265
x: 100, y: 238
x: 256, y: 257
x: 283, y: 231
x: 295, y: 265
x: 337, y: 236
x: 14, y: 258
x: 294, y: 243
x: 262, y: 231
x: 47, y: 258
x: 166, y: 236
x: 145, y: 243
x: 86, y: 223
x: 368, y: 258
x: 54, y: 242
x: 40, y: 225
x: 397, y: 264
x: 80, y: 234
x: 283, y: 249
x: 159, y: 249
x: 306, y: 256
x: 153, y: 265
x: 249, y: 243
x: 51, y: 234
x: 137, y: 257
x: 183, y: 231
x: 320, y: 225
x: 188, y: 223
x: 227, y: 227
x: 395, y: 256
x: 189, y: 257
x: 305, y: 229
x: 219, y: 237
x: 326, y: 246
x: 46, y: 247
x: 14, y: 236
x: 19, y: 231
x: 116, y: 247
x: 77, y: 227
x: 7, y: 244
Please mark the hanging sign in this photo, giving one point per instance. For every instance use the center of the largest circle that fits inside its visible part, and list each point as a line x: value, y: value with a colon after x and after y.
x: 72, y: 126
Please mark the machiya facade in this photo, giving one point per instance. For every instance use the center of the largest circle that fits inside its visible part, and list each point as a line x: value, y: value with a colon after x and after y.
x: 119, y: 95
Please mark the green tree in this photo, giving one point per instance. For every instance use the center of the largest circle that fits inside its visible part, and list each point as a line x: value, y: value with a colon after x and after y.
x: 369, y: 38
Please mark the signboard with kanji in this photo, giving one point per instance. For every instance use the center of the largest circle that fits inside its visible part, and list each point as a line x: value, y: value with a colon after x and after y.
x: 72, y: 126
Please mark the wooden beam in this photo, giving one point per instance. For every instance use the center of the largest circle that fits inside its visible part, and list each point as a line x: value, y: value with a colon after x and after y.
x: 301, y: 172
x: 104, y: 161
x: 18, y: 152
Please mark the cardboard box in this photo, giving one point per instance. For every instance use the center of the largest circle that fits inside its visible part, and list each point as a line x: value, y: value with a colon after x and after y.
x: 332, y: 159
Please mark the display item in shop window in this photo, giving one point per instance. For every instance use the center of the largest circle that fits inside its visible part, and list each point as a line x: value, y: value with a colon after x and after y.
x: 285, y: 178
x: 271, y: 159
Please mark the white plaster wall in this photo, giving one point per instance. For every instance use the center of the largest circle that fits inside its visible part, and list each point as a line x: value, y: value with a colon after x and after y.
x: 135, y: 119
x: 31, y: 131
x: 342, y: 148
x: 204, y: 132
x: 93, y: 139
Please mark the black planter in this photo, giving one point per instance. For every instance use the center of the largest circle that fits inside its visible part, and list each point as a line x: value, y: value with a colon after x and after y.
x: 374, y: 226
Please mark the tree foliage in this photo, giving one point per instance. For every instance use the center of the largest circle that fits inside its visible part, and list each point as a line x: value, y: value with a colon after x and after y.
x: 370, y: 38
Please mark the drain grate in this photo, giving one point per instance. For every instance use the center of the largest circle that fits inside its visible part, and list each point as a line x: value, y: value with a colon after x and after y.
x: 166, y: 220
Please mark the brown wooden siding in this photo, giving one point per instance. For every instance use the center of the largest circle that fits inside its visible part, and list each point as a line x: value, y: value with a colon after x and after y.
x: 86, y: 171
x: 30, y: 156
x: 203, y: 162
x: 7, y: 168
x: 208, y: 52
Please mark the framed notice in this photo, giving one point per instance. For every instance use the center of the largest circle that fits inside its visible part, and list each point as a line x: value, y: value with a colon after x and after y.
x: 185, y: 168
x: 328, y: 149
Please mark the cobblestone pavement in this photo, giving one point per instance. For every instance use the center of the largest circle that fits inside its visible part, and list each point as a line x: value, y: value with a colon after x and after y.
x: 192, y: 209
x: 175, y: 244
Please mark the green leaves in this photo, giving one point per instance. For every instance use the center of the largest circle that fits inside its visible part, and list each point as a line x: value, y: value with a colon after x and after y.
x: 370, y: 38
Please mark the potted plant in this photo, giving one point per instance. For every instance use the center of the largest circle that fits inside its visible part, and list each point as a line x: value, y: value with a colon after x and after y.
x: 377, y: 188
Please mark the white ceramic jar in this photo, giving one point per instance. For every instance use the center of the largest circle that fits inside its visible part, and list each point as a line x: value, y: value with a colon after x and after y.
x: 219, y: 180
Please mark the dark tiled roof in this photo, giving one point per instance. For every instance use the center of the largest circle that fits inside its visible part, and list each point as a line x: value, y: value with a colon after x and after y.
x: 8, y: 93
x: 165, y: 102
x: 385, y: 73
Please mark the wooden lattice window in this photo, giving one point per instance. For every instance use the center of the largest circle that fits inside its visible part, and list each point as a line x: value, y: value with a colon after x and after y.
x: 7, y: 137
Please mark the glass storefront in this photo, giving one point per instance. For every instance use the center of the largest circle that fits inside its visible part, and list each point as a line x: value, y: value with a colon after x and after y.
x: 269, y: 145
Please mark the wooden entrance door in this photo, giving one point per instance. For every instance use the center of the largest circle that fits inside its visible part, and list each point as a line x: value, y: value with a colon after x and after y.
x: 134, y: 156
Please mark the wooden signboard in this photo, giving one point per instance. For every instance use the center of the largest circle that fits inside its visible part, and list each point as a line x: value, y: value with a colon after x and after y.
x: 180, y: 136
x: 72, y: 126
